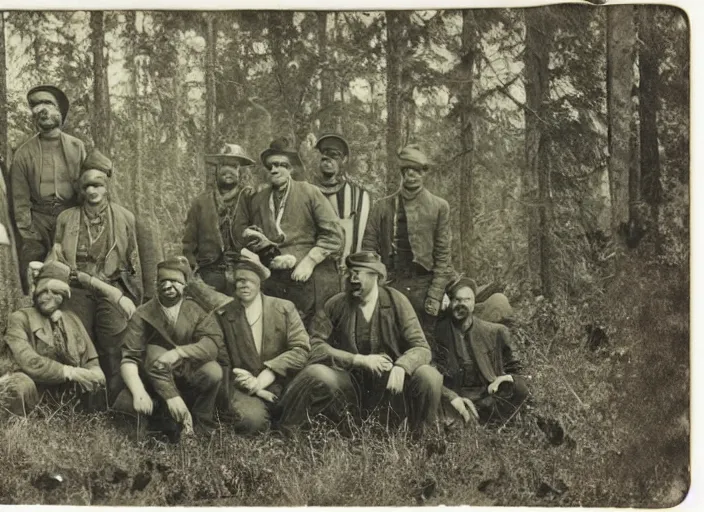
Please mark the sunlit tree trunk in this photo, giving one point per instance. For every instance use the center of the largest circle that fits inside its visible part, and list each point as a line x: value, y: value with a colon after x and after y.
x: 210, y: 90
x: 101, y: 97
x: 394, y: 44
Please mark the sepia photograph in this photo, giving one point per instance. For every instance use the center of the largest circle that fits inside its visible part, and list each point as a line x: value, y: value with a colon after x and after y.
x: 283, y: 258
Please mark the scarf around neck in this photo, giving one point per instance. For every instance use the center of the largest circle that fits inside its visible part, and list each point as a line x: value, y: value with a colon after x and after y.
x: 409, y: 195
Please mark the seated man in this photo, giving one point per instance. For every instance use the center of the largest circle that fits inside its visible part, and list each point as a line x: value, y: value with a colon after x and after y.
x: 266, y: 344
x: 174, y: 344
x: 47, y: 348
x: 368, y: 349
x: 473, y: 356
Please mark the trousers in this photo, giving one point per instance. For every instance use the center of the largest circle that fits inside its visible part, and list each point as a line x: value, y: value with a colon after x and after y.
x: 493, y: 409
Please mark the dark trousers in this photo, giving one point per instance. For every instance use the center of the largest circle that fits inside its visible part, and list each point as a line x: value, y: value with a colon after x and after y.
x: 319, y: 389
x: 216, y: 276
x: 415, y: 288
x: 44, y: 226
x: 248, y: 414
x: 497, y: 408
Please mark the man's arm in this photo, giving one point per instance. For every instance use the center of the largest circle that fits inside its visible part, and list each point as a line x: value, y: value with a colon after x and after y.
x: 442, y: 249
x: 244, y: 217
x: 321, y: 351
x: 150, y: 254
x: 298, y: 344
x: 370, y: 242
x: 418, y: 352
x: 329, y: 234
x: 208, y: 344
x: 21, y: 194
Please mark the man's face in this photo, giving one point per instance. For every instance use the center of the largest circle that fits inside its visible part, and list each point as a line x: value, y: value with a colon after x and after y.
x: 94, y: 193
x: 247, y: 285
x: 360, y: 282
x: 228, y: 175
x: 46, y: 115
x: 47, y: 302
x: 462, y: 303
x: 411, y: 178
x: 330, y: 161
x: 280, y: 168
x: 170, y: 290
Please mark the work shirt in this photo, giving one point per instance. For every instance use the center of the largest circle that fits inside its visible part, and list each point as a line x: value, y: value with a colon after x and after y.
x: 54, y: 177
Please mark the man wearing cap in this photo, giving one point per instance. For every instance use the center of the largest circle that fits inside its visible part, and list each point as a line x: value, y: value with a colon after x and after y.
x: 475, y: 358
x: 367, y: 349
x: 43, y: 174
x: 100, y: 238
x: 170, y: 351
x: 208, y: 235
x: 47, y: 347
x: 266, y: 344
x: 295, y: 217
x: 410, y: 229
x: 350, y: 202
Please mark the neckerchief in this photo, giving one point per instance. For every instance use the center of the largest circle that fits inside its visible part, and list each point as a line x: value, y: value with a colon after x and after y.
x: 330, y: 187
x: 64, y: 354
x: 226, y: 205
x: 279, y: 214
x: 410, y: 195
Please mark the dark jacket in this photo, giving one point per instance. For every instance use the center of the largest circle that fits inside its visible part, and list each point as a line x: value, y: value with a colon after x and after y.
x: 428, y: 218
x: 400, y: 333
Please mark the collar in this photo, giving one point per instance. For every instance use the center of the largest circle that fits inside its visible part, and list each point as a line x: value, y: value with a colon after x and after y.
x: 372, y: 298
x: 282, y: 189
x: 175, y: 307
x: 331, y: 186
x: 253, y: 310
x: 95, y: 211
x: 407, y: 195
x: 222, y: 198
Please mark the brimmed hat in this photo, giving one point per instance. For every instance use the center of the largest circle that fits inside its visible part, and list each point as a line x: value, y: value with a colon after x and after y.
x: 332, y: 140
x: 282, y: 146
x: 175, y: 268
x: 412, y: 156
x: 250, y: 261
x: 54, y: 276
x: 459, y: 283
x: 366, y: 259
x: 96, y: 168
x: 229, y: 153
x: 57, y: 93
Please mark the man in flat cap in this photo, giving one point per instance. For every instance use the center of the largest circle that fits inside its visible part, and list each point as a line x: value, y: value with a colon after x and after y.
x: 350, y: 202
x: 46, y: 347
x: 103, y: 240
x: 476, y: 360
x: 266, y: 344
x: 410, y: 229
x: 170, y: 354
x: 295, y: 217
x: 208, y: 236
x: 43, y: 174
x: 367, y: 349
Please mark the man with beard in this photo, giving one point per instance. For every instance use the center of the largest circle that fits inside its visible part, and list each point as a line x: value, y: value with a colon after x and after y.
x: 47, y: 347
x: 171, y: 348
x: 266, y: 344
x: 100, y: 238
x: 208, y: 236
x: 42, y: 175
x: 367, y: 349
x: 410, y: 229
x: 350, y: 202
x: 295, y: 217
x: 473, y: 355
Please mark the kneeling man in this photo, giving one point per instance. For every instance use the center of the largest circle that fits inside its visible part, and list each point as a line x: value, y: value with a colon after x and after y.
x: 266, y: 344
x: 368, y: 349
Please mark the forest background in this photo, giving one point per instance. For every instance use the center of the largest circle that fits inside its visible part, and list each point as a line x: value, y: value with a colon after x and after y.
x: 560, y: 137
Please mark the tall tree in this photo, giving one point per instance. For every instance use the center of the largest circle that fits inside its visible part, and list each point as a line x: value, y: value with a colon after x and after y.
x: 101, y: 96
x: 327, y: 77
x: 211, y: 34
x: 395, y: 21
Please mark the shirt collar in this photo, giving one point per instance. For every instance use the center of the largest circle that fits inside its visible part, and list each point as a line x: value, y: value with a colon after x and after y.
x: 372, y: 298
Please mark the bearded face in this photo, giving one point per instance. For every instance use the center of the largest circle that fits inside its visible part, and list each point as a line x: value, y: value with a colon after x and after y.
x: 462, y: 304
x: 48, y: 301
x: 170, y: 291
x: 46, y: 116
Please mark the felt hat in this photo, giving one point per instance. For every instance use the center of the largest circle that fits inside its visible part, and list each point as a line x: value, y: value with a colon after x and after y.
x: 282, y: 146
x: 97, y: 161
x: 366, y: 259
x: 58, y: 94
x: 461, y: 282
x: 229, y: 153
x: 412, y: 156
x: 332, y: 141
x: 175, y: 268
x: 250, y: 261
x: 54, y: 276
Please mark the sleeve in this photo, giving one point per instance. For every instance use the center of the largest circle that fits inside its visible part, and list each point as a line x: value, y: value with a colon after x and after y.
x: 447, y: 394
x: 133, y: 342
x: 321, y: 351
x: 190, y: 235
x: 243, y: 219
x: 328, y: 229
x: 509, y: 362
x: 442, y: 248
x: 21, y: 193
x: 418, y: 352
x: 209, y: 342
x: 149, y: 255
x: 298, y: 344
x: 370, y: 242
x: 39, y: 368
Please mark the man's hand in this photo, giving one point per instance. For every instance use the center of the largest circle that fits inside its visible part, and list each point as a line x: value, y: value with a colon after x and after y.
x: 169, y: 358
x: 432, y: 306
x: 142, y: 402
x: 283, y: 262
x: 396, y: 378
x: 244, y: 380
x: 267, y: 396
x: 88, y: 380
x: 494, y: 386
x: 303, y: 270
x: 375, y: 363
x: 179, y: 411
x: 465, y: 407
x: 265, y: 379
x: 127, y: 306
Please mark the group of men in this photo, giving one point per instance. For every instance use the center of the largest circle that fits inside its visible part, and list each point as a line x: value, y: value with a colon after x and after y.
x: 289, y: 301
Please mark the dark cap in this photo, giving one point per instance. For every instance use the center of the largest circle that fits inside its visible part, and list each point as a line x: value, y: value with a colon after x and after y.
x: 366, y: 259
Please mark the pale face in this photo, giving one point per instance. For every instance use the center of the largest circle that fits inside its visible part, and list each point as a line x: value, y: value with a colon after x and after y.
x: 412, y: 178
x: 170, y: 291
x: 331, y: 161
x: 462, y: 304
x: 228, y: 175
x: 280, y: 169
x: 46, y: 115
x: 94, y: 193
x: 247, y: 285
x: 361, y: 282
x: 47, y: 302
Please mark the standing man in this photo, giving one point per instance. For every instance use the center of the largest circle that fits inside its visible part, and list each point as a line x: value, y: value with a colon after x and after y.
x: 100, y: 238
x: 295, y: 217
x: 350, y: 202
x: 208, y: 235
x: 410, y: 229
x: 43, y: 174
x: 266, y: 344
x: 367, y: 349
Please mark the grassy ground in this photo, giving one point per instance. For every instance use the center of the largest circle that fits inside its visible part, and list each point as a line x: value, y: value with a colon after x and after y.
x: 607, y: 427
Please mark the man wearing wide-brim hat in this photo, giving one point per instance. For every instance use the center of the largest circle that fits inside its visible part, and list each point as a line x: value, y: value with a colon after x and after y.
x: 208, y: 236
x: 43, y: 175
x: 266, y: 344
x: 367, y: 350
x: 296, y: 217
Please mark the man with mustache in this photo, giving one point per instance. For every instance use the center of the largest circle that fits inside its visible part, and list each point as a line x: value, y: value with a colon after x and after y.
x: 266, y: 344
x: 43, y: 174
x: 368, y: 350
x: 170, y: 352
x: 208, y: 236
x: 47, y: 347
x: 473, y: 355
x: 295, y: 217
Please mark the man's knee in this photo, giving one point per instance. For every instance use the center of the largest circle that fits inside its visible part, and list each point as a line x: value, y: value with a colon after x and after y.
x: 322, y: 376
x: 252, y: 414
x: 520, y: 389
x: 427, y: 379
x: 208, y: 375
x: 18, y: 393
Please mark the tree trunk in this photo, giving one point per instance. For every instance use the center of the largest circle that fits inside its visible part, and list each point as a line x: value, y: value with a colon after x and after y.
x: 394, y: 49
x: 620, y: 79
x: 210, y: 93
x: 101, y: 96
x: 327, y: 77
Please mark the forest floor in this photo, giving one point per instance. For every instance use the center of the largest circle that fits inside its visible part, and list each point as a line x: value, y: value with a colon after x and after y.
x: 608, y: 426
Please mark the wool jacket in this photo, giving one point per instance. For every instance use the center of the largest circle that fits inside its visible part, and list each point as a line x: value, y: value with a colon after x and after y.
x: 428, y: 218
x: 25, y: 174
x: 309, y: 223
x: 400, y: 335
x: 29, y: 344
